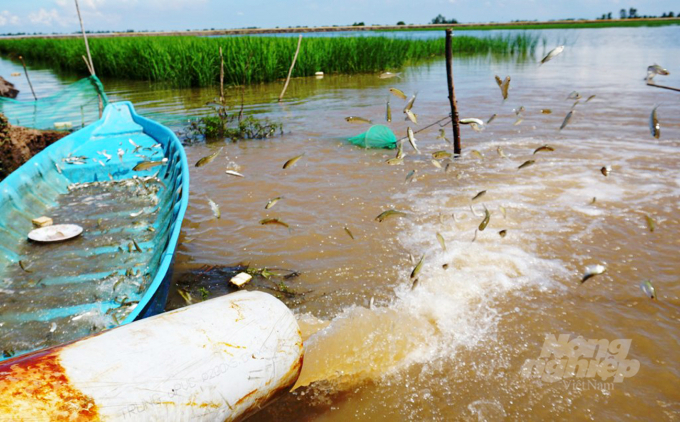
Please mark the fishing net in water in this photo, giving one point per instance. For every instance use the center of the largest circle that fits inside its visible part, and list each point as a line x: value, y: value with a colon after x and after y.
x: 71, y: 108
x: 378, y: 136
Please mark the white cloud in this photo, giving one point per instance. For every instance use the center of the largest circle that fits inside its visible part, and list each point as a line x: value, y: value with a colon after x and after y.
x: 7, y: 18
x: 46, y: 17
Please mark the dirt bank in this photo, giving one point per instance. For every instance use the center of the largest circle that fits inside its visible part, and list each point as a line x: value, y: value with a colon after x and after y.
x: 18, y: 144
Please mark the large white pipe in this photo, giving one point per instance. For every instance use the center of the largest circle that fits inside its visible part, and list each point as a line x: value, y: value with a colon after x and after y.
x: 218, y: 360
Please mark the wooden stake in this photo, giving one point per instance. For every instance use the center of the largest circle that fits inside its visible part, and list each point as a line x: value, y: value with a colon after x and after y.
x: 290, y: 72
x: 452, y: 95
x: 27, y: 78
x: 221, y: 77
x: 89, y: 69
x: 663, y: 86
x: 87, y: 46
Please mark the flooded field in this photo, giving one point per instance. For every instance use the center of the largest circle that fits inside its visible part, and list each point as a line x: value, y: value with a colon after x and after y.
x: 453, y: 346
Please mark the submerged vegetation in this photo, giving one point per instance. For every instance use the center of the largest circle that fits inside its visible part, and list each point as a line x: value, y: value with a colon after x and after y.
x: 194, y: 62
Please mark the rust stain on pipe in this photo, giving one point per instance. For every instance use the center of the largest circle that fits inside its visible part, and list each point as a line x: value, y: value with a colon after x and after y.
x: 35, y: 387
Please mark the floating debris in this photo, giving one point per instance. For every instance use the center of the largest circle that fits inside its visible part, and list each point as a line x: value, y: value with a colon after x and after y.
x: 240, y: 279
x: 208, y: 159
x: 592, y: 271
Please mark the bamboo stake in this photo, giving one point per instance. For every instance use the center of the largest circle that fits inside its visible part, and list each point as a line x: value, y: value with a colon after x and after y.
x: 290, y: 72
x: 27, y: 78
x: 663, y: 86
x: 221, y: 77
x: 89, y: 69
x: 87, y: 46
x: 452, y: 95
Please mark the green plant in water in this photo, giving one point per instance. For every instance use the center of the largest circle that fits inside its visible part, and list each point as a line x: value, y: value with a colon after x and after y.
x: 204, y: 293
x: 225, y: 125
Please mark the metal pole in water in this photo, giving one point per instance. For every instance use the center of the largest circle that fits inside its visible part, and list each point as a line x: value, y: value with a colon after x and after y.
x: 452, y: 95
x: 27, y: 78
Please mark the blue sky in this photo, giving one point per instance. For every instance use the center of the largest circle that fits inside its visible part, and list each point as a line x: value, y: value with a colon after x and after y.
x: 60, y: 15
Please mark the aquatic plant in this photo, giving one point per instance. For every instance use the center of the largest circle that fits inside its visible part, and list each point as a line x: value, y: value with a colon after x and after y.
x: 187, y: 61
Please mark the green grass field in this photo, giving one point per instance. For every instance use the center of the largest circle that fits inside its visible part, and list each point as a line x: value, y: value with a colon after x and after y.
x: 194, y: 61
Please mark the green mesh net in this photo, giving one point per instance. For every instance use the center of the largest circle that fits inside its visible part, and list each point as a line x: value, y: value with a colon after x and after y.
x: 378, y: 136
x: 71, y: 108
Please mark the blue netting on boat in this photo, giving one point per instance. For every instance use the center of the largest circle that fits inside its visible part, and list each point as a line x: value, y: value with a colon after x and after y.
x: 71, y: 108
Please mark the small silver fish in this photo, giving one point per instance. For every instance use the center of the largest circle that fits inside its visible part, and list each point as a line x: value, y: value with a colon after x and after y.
x: 654, y: 126
x: 411, y: 176
x: 544, y: 148
x: 272, y: 202
x: 479, y: 195
x: 388, y: 112
x: 412, y: 139
x: 592, y: 271
x: 492, y: 118
x: 574, y: 96
x: 215, y: 208
x: 209, y: 158
x: 411, y: 116
x: 234, y: 173
x: 567, y: 119
x: 398, y: 93
x: 441, y: 240
x: 417, y: 268
x: 648, y: 289
x: 410, y: 103
x: 356, y: 119
x: 389, y: 75
x: 654, y: 70
x: 526, y: 164
x: 349, y: 233
x: 471, y: 120
x: 292, y: 161
x: 554, y: 52
x: 485, y: 222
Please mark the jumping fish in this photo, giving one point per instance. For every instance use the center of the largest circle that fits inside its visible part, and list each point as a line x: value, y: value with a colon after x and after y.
x: 440, y: 155
x: 292, y: 161
x: 208, y: 159
x: 544, y: 148
x: 398, y: 93
x: 275, y: 221
x: 471, y: 120
x: 411, y: 116
x: 441, y: 240
x: 356, y: 119
x: 485, y: 222
x: 654, y: 126
x: 349, y: 233
x: 145, y: 165
x: 215, y: 208
x: 546, y: 111
x: 479, y: 195
x: 554, y: 52
x: 389, y: 75
x: 410, y: 102
x: 417, y: 268
x: 395, y: 161
x: 592, y: 271
x: 492, y: 118
x: 654, y: 70
x: 388, y: 113
x: 412, y: 139
x: 505, y: 86
x: 648, y: 288
x: 389, y: 213
x: 650, y: 223
x: 410, y: 176
x: 272, y: 202
x: 574, y: 96
x: 567, y: 119
x: 526, y: 164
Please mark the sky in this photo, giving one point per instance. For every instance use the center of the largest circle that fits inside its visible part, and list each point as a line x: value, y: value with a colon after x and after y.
x: 49, y: 16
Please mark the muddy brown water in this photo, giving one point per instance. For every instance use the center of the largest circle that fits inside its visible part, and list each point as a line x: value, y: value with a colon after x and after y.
x: 453, y: 347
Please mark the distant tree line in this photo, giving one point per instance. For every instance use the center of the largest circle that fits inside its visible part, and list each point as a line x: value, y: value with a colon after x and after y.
x: 632, y: 13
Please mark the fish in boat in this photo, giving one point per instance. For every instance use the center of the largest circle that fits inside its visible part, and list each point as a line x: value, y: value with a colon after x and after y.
x: 85, y: 285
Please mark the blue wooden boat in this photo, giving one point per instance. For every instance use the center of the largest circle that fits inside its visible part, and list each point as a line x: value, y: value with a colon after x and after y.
x: 125, y: 180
